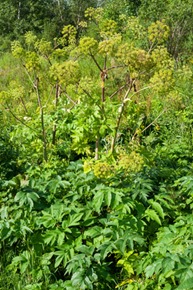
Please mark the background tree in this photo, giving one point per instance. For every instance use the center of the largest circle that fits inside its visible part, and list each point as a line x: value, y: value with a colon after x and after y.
x: 77, y: 10
x: 115, y: 8
x: 45, y: 18
x: 178, y: 15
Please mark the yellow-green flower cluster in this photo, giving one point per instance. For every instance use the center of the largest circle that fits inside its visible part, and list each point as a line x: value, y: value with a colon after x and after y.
x: 87, y: 45
x: 102, y: 169
x: 158, y: 32
x: 130, y: 163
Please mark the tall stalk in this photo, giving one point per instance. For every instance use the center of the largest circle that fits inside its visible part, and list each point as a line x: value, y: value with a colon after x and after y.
x: 36, y: 86
x: 122, y: 107
x: 121, y: 110
x: 103, y: 76
x: 57, y: 94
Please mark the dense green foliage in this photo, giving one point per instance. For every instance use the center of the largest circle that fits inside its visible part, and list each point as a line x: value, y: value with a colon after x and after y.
x: 43, y: 17
x: 96, y: 182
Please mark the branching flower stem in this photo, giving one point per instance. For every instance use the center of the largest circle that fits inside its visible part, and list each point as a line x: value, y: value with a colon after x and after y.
x: 57, y: 94
x: 35, y: 85
x: 20, y: 121
x: 121, y: 110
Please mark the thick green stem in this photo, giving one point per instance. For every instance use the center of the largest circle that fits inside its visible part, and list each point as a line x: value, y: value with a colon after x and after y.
x: 97, y: 148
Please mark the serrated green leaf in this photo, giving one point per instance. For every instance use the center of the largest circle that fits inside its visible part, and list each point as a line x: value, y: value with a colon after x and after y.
x: 93, y: 232
x: 74, y: 219
x: 152, y: 214
x: 155, y: 205
x: 60, y: 240
x: 58, y: 261
x: 78, y: 277
x: 121, y: 245
x: 46, y: 220
x: 45, y: 260
x: 50, y: 237
x: 167, y: 287
x: 24, y: 266
x: 20, y: 195
x: 153, y: 268
x: 186, y: 285
x: 108, y: 198
x: 4, y: 212
x: 86, y: 250
x: 106, y: 248
x: 98, y: 200
x: 33, y: 195
x: 5, y: 233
